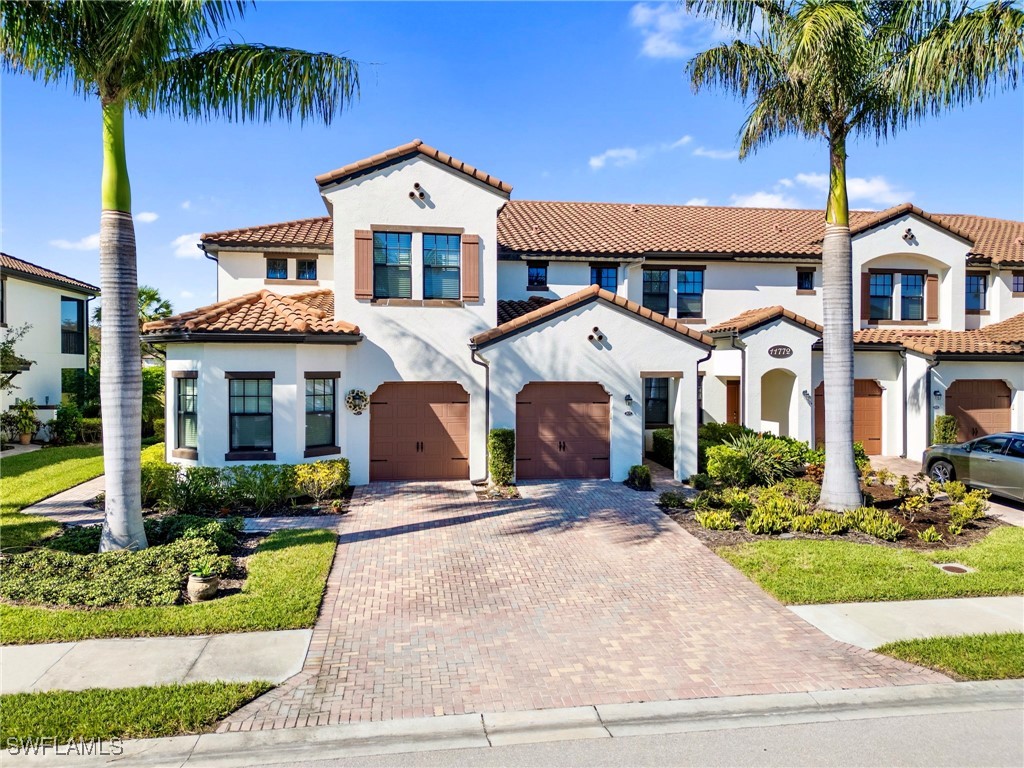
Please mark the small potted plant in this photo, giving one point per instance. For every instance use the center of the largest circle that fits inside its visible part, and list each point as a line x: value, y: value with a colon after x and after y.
x: 338, y: 506
x: 203, y: 581
x: 26, y: 423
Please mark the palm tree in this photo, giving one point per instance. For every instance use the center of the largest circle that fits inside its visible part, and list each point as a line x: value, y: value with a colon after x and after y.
x: 151, y: 58
x: 152, y: 306
x: 839, y: 69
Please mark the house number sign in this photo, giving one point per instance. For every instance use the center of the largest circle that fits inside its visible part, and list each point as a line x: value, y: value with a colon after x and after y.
x: 780, y: 350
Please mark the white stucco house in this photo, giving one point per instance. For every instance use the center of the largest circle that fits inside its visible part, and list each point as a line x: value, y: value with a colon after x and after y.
x: 455, y: 309
x: 56, y: 309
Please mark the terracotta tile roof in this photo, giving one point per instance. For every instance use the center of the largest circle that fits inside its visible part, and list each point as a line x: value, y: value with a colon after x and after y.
x: 416, y: 146
x: 1000, y: 241
x: 259, y: 312
x: 754, y: 318
x: 865, y: 220
x: 18, y: 266
x: 316, y: 232
x: 1003, y: 338
x: 591, y: 293
x: 510, y: 309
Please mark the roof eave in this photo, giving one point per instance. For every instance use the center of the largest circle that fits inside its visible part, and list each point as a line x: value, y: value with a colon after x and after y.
x: 91, y: 290
x: 228, y: 337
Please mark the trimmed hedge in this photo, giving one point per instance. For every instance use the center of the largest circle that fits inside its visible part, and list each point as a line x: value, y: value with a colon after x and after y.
x: 946, y: 430
x: 662, y: 450
x: 501, y: 456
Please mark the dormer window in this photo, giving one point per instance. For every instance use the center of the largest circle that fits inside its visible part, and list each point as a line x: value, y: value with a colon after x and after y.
x: 277, y: 269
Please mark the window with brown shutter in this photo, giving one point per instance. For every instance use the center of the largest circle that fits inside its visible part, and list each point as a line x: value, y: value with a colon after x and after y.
x: 865, y: 296
x: 931, y: 297
x: 471, y: 268
x: 364, y: 264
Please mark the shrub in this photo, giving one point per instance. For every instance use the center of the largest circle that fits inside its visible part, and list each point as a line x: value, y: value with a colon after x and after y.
x: 972, y: 506
x: 912, y: 506
x: 707, y: 499
x: 860, y: 457
x: 66, y: 425
x: 815, y: 472
x: 25, y: 421
x: 153, y: 576
x: 902, y: 487
x: 701, y: 481
x: 160, y: 428
x: 804, y: 524
x: 78, y: 540
x: 875, y: 522
x: 261, y: 487
x: 765, y: 521
x: 196, y: 491
x: 672, y: 499
x: 222, y: 533
x: 501, y: 456
x: 715, y: 520
x: 157, y: 479
x: 714, y: 433
x: 322, y: 478
x: 640, y: 478
x: 802, y: 490
x: 751, y: 459
x: 929, y: 534
x: 726, y: 463
x: 830, y: 523
x: 945, y: 431
x: 663, y: 447
x: 738, y: 502
x: 92, y: 430
x: 783, y: 506
x: 154, y: 452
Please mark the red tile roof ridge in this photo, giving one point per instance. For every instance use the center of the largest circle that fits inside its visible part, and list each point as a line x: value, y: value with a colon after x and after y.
x: 221, y: 232
x: 13, y: 263
x: 754, y: 317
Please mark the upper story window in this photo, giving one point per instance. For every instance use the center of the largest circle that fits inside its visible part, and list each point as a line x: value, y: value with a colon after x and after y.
x: 656, y: 290
x: 655, y: 401
x: 441, y: 257
x: 72, y: 326
x: 911, y: 296
x: 277, y: 269
x: 305, y: 269
x: 690, y: 299
x: 392, y: 265
x: 606, y: 277
x: 805, y: 279
x: 537, y: 277
x: 1016, y: 283
x: 880, y: 296
x: 187, y: 432
x: 3, y: 301
x: 975, y: 289
x: 251, y: 415
x: 320, y: 412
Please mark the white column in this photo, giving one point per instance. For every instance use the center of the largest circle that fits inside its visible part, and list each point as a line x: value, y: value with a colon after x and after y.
x: 684, y: 427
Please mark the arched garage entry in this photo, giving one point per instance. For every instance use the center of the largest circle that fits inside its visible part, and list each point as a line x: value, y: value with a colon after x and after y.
x: 981, y: 406
x: 867, y: 415
x: 419, y: 431
x: 563, y: 430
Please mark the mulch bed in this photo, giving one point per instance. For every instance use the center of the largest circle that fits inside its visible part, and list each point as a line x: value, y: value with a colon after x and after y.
x: 498, y: 493
x: 246, y: 547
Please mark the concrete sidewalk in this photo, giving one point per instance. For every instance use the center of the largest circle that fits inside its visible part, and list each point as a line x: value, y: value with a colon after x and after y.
x: 239, y: 657
x: 870, y: 625
x: 69, y: 507
x: 488, y: 730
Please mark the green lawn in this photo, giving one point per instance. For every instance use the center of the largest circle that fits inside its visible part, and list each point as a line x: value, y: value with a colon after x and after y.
x: 800, y: 571
x: 970, y: 657
x: 286, y: 581
x: 31, y: 477
x: 129, y: 713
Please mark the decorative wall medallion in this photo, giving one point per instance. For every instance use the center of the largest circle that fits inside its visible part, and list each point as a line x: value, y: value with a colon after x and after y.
x: 357, y: 401
x: 780, y: 350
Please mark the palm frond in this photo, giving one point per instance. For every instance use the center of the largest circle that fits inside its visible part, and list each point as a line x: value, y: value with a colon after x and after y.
x: 743, y: 16
x: 251, y: 82
x: 738, y: 67
x: 783, y: 109
x: 48, y: 41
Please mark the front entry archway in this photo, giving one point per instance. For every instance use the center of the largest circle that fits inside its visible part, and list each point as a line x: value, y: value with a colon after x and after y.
x: 779, y: 413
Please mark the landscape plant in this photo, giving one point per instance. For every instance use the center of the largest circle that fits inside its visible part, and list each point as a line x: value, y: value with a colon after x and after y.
x: 639, y: 478
x: 835, y: 70
x: 501, y: 456
x: 946, y: 430
x: 66, y: 425
x: 259, y: 487
x: 322, y: 479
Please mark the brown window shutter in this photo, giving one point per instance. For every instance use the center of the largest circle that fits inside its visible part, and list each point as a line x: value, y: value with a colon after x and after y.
x: 931, y: 297
x: 865, y: 296
x: 364, y: 264
x: 471, y: 268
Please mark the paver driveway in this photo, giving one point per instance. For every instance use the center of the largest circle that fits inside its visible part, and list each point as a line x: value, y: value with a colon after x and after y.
x: 581, y: 593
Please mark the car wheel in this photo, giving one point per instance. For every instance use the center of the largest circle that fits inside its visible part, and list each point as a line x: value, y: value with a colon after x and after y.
x: 942, y: 471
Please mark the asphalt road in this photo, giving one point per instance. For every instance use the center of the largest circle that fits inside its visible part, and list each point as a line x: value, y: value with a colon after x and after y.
x: 957, y: 739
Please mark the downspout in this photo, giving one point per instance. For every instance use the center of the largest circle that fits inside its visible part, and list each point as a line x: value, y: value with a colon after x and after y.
x: 743, y: 377
x: 903, y: 357
x: 487, y: 412
x: 215, y: 260
x: 699, y: 363
x: 929, y: 419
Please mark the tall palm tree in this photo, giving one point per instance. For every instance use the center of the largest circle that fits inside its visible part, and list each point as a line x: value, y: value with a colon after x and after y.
x: 150, y: 58
x: 838, y: 69
x: 152, y: 306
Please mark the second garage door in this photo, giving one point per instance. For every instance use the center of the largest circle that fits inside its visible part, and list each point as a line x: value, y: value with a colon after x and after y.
x: 867, y: 415
x: 419, y: 431
x: 563, y: 430
x: 981, y: 407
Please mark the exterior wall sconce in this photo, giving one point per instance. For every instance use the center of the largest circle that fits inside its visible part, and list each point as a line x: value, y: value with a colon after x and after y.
x: 629, y: 399
x: 937, y: 393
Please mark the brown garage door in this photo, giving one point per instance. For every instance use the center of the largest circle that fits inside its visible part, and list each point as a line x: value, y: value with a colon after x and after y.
x: 419, y: 431
x: 562, y: 430
x: 867, y: 415
x: 981, y: 406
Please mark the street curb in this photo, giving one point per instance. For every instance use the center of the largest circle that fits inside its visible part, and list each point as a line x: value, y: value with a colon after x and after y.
x: 226, y: 750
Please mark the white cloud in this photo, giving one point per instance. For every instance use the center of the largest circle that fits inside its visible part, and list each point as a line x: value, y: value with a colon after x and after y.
x: 876, y: 190
x: 763, y: 199
x: 186, y: 204
x: 146, y: 217
x: 185, y: 246
x: 681, y: 142
x: 696, y: 201
x: 187, y: 294
x: 816, y: 181
x: 716, y: 154
x: 618, y: 157
x: 87, y: 243
x: 668, y: 32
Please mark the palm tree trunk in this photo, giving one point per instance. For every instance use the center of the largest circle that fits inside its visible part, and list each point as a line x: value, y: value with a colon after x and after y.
x: 120, y: 370
x: 840, y: 489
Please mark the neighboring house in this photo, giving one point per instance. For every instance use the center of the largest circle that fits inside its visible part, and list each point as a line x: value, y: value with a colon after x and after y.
x: 581, y: 325
x: 57, y: 309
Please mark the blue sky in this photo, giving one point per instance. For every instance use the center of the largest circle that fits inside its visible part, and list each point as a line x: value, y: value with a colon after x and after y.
x: 565, y: 101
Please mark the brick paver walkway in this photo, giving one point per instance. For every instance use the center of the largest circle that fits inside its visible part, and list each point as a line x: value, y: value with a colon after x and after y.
x: 581, y: 593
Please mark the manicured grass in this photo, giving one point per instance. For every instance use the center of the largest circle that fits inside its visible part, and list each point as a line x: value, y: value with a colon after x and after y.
x: 31, y: 477
x: 801, y: 572
x: 129, y: 713
x: 970, y: 657
x: 283, y: 591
